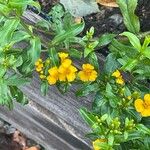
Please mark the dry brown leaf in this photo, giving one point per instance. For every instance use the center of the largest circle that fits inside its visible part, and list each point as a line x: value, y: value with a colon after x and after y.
x: 109, y: 3
x: 19, y: 138
x: 33, y: 148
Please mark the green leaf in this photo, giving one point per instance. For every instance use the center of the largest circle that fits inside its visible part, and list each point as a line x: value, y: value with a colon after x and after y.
x: 90, y: 48
x: 146, y: 52
x: 133, y: 40
x: 94, y: 60
x: 34, y: 51
x: 110, y: 95
x: 74, y: 30
x: 143, y: 129
x: 44, y: 24
x: 87, y: 89
x: 108, y: 67
x: 2, y: 71
x: 4, y: 10
x: 129, y: 65
x: 134, y: 135
x: 111, y: 139
x: 88, y: 117
x: 98, y: 103
x: 22, y: 5
x: 131, y: 21
x: 44, y: 88
x: 54, y: 56
x: 146, y: 43
x: 75, y: 53
x: 105, y: 39
x: 16, y: 81
x: 126, y: 135
x: 18, y: 95
x: 7, y: 31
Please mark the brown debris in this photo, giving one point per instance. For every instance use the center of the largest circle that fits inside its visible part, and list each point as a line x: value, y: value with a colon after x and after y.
x: 109, y: 3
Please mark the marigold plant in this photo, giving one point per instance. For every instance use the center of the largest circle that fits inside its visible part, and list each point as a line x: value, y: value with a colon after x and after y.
x: 119, y: 117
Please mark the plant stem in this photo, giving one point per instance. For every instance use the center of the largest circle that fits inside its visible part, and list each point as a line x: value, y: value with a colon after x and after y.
x: 26, y: 28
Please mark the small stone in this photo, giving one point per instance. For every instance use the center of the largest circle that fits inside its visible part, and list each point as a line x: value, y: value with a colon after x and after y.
x: 1, y: 123
x: 117, y: 18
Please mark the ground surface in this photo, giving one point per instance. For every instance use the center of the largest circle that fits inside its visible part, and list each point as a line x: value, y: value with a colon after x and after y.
x: 12, y: 139
x: 109, y: 19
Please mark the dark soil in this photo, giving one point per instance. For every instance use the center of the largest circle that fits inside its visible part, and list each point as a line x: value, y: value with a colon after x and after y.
x: 7, y: 141
x: 108, y: 20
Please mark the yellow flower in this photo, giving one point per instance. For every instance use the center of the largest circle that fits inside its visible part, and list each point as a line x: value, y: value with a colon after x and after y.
x: 66, y: 63
x: 88, y: 73
x: 118, y: 76
x: 39, y: 65
x: 143, y: 106
x: 53, y: 75
x: 62, y: 56
x: 120, y: 80
x: 96, y: 142
x: 67, y: 73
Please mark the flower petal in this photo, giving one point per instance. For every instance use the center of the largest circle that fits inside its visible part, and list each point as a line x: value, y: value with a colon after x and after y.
x: 66, y: 63
x: 116, y: 74
x: 51, y: 80
x: 71, y: 77
x: 87, y: 66
x: 139, y: 105
x: 83, y: 76
x: 145, y: 113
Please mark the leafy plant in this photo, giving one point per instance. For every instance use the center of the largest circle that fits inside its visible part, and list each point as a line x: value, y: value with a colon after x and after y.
x: 120, y: 113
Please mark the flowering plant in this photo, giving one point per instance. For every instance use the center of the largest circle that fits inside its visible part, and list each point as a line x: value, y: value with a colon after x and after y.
x: 120, y: 112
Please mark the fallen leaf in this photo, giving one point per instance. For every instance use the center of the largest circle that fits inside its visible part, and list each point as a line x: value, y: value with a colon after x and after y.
x: 33, y: 148
x: 109, y: 3
x: 19, y: 138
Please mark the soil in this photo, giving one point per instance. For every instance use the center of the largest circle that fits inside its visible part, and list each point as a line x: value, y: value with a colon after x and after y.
x: 109, y: 20
x: 12, y: 139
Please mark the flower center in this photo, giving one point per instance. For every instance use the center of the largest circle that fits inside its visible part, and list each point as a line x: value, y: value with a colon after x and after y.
x: 88, y: 72
x: 146, y: 106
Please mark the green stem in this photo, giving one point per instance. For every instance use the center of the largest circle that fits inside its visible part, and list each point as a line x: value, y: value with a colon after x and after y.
x: 26, y: 28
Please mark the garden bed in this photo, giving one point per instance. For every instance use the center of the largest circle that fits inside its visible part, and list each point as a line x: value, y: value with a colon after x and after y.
x: 53, y: 120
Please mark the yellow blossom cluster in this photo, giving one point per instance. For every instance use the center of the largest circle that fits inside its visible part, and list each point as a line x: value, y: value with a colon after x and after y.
x: 96, y: 142
x: 118, y: 76
x: 143, y: 106
x: 39, y: 68
x: 39, y: 65
x: 66, y: 71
